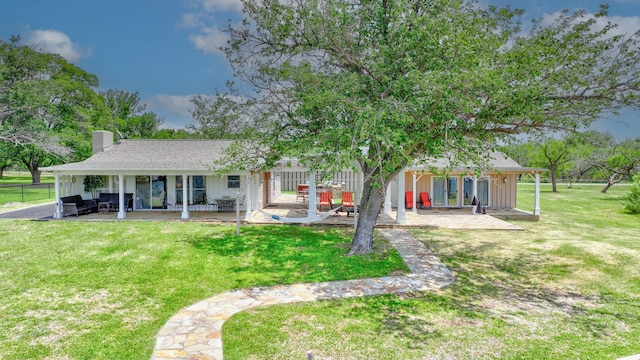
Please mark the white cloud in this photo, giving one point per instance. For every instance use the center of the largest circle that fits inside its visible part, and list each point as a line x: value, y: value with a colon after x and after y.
x: 222, y: 5
x: 209, y: 37
x: 56, y: 42
x: 191, y: 20
x: 627, y: 25
x: 210, y: 40
x: 174, y: 109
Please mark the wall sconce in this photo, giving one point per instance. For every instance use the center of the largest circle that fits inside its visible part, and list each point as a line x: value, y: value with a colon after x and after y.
x: 504, y: 179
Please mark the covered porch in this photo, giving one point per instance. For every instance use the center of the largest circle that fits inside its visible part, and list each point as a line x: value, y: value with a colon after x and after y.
x: 287, y: 206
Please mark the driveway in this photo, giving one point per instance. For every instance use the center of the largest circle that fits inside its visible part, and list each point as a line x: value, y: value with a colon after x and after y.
x: 34, y: 212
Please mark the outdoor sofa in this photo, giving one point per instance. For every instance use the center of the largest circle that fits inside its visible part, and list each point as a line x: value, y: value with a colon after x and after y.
x: 76, y: 205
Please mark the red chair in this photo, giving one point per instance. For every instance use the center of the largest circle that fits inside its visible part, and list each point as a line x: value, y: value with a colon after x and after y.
x: 426, y: 201
x: 347, y: 199
x: 408, y: 199
x: 326, y: 200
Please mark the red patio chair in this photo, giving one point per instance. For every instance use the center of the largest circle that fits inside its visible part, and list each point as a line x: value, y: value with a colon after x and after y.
x: 325, y: 200
x: 302, y: 192
x: 408, y: 199
x: 347, y: 199
x: 426, y: 201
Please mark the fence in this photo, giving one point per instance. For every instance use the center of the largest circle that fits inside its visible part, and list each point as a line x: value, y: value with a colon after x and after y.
x: 290, y: 180
x: 26, y: 193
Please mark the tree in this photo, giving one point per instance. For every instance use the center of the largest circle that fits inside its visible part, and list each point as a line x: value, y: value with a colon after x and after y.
x: 632, y: 202
x: 220, y: 117
x: 621, y: 162
x: 554, y: 155
x: 377, y: 85
x: 45, y: 103
x: 92, y: 183
x: 586, y: 147
x: 129, y: 116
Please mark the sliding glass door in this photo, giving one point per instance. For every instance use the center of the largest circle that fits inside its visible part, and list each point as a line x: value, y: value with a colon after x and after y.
x: 151, y: 192
x: 445, y: 191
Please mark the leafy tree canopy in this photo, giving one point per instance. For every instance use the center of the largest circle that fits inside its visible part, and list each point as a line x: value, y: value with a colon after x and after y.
x: 383, y: 83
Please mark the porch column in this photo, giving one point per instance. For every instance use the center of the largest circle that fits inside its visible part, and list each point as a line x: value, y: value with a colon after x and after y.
x: 185, y: 198
x: 247, y: 197
x: 356, y: 200
x: 536, y: 198
x: 313, y: 211
x: 57, y: 212
x: 413, y: 181
x: 401, y: 217
x: 474, y: 194
x: 387, y: 200
x: 122, y: 208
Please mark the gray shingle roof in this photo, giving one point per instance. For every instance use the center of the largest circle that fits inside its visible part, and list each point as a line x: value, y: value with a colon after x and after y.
x: 497, y: 161
x: 151, y: 155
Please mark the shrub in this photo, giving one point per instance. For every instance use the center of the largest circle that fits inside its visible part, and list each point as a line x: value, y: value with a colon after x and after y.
x: 632, y: 203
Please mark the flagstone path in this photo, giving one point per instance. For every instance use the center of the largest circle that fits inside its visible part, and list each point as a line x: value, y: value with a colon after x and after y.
x: 195, y: 333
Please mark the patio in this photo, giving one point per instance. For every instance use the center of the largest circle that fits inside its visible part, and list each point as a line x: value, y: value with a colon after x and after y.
x: 287, y: 206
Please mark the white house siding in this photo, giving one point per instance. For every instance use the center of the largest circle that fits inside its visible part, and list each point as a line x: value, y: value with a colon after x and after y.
x: 503, y: 194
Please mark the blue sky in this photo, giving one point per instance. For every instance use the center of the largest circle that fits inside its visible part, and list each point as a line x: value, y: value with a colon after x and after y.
x: 166, y: 50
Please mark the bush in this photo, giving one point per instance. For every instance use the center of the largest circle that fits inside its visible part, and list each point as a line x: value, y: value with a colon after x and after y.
x: 632, y: 203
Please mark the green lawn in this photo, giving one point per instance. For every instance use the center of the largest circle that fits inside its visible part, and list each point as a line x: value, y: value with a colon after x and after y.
x: 568, y: 287
x: 102, y: 290
x: 13, y: 197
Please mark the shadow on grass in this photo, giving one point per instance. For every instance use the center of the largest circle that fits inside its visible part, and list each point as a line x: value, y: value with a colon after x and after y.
x: 286, y: 254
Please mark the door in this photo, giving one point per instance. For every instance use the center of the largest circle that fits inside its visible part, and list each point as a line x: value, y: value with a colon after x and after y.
x: 445, y: 191
x: 158, y: 192
x: 143, y: 193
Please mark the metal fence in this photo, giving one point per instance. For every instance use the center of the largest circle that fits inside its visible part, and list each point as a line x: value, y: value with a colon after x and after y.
x: 26, y: 193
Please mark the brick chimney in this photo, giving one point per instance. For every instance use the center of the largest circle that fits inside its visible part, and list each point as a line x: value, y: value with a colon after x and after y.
x: 102, y: 140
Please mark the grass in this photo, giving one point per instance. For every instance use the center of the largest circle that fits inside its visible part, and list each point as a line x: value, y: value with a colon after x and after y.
x: 15, y: 197
x: 102, y: 290
x: 567, y: 287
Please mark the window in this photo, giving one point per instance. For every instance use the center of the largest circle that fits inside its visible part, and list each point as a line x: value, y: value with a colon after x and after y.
x: 233, y: 181
x: 199, y: 190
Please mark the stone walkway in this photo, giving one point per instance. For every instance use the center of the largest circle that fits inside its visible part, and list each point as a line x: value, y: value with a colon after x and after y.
x: 196, y: 331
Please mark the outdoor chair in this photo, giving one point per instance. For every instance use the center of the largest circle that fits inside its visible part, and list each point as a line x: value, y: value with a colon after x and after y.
x: 425, y: 201
x: 408, y: 199
x: 302, y: 192
x: 211, y: 203
x: 347, y: 199
x: 325, y: 200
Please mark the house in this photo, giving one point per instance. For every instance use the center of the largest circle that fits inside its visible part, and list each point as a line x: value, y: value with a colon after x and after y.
x: 162, y: 175
x: 494, y: 188
x: 166, y: 175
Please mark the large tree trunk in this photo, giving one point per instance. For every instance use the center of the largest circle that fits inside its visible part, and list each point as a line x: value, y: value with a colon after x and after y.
x: 35, y: 176
x: 372, y: 198
x: 613, y: 179
x: 552, y: 173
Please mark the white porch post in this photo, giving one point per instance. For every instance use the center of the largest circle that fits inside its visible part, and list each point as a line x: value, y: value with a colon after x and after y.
x: 474, y: 194
x: 185, y: 198
x: 57, y: 212
x: 123, y: 206
x: 401, y: 217
x: 247, y: 197
x: 356, y: 200
x: 387, y: 200
x: 536, y: 199
x: 413, y: 181
x: 313, y: 211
